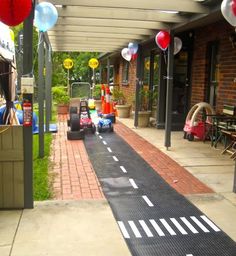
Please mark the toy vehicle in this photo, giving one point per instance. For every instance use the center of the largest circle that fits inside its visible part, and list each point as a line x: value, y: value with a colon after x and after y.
x: 91, y: 104
x: 105, y: 125
x: 80, y: 123
x: 193, y: 126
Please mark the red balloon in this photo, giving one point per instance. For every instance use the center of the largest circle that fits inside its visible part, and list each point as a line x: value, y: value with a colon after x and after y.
x: 13, y: 12
x: 233, y: 6
x: 163, y: 39
x: 134, y: 56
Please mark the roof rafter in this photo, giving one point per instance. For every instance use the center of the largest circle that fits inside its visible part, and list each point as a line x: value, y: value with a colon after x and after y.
x: 180, y: 5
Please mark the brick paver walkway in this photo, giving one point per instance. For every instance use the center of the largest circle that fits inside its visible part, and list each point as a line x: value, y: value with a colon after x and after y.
x: 74, y: 174
x: 176, y: 176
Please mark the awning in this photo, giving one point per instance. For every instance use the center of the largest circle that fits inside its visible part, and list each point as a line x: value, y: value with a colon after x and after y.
x: 109, y: 25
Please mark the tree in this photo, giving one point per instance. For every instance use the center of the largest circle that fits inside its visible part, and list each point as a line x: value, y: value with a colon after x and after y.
x: 80, y: 71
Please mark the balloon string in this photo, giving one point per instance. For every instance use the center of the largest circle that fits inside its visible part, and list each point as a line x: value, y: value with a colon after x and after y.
x: 165, y: 57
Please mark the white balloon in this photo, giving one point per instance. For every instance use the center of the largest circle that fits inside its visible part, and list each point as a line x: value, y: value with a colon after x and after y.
x: 226, y: 9
x: 177, y: 45
x: 126, y: 54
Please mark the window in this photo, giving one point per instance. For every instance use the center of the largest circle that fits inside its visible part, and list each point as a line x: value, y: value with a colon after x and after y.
x: 125, y: 73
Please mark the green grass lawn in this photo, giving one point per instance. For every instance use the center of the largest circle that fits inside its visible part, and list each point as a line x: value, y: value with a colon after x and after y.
x: 42, y: 178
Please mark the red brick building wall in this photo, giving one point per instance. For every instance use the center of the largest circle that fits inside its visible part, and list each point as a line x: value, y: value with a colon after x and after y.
x: 220, y: 31
x: 128, y: 89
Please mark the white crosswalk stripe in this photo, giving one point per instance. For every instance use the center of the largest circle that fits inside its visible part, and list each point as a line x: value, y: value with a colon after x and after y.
x: 145, y: 228
x: 200, y: 225
x: 189, y: 225
x: 168, y: 227
x: 157, y: 228
x: 161, y: 228
x: 178, y: 226
x: 123, y: 229
x: 134, y: 229
x: 210, y: 223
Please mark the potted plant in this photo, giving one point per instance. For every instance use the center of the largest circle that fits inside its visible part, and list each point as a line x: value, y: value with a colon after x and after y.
x: 122, y: 108
x: 97, y: 96
x: 144, y: 113
x: 154, y: 96
x: 61, y: 98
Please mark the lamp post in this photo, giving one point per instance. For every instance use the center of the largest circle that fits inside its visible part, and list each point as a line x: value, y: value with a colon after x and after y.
x: 68, y: 64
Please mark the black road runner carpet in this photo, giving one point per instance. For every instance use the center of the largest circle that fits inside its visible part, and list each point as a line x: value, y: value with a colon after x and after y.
x: 153, y: 218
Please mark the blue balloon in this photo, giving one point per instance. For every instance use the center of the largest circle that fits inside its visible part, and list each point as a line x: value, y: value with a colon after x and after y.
x: 133, y: 47
x: 45, y: 16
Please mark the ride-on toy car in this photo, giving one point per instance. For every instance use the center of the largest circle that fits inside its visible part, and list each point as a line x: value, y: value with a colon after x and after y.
x: 105, y: 125
x: 80, y: 123
x: 194, y: 126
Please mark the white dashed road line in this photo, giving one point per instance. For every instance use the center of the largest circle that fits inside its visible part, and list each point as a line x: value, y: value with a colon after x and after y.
x: 109, y: 149
x: 146, y: 199
x: 100, y: 137
x: 123, y: 169
x: 115, y: 158
x: 132, y: 182
x: 104, y: 142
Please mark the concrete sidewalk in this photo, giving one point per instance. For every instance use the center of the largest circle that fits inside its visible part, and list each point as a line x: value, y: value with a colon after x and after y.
x: 82, y: 227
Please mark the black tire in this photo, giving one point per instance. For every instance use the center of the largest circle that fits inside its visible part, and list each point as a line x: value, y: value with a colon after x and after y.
x: 190, y: 137
x: 68, y: 122
x: 73, y: 110
x: 111, y: 128
x: 99, y: 129
x: 93, y: 128
x: 74, y: 122
x: 76, y: 135
x: 185, y: 135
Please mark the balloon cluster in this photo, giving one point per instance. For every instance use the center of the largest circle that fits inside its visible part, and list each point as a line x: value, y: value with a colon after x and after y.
x: 46, y: 16
x: 130, y: 53
x: 162, y: 40
x: 228, y: 9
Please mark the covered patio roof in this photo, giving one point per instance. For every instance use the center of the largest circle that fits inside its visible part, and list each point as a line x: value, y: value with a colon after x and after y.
x: 109, y: 25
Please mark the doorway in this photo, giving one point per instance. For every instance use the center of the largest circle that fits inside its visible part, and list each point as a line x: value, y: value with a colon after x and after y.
x: 212, y: 73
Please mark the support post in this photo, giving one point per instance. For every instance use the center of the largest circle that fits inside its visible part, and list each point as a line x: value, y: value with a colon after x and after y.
x: 139, y: 68
x: 27, y: 130
x: 41, y: 93
x: 108, y: 71
x: 169, y: 93
x: 48, y: 85
x: 234, y: 184
x: 100, y: 73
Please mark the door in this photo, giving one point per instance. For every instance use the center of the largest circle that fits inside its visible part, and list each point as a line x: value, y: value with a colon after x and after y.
x: 182, y: 82
x: 212, y: 73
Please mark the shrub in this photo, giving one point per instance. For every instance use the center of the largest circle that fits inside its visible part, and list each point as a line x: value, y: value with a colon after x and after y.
x: 60, y: 95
